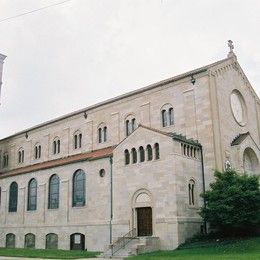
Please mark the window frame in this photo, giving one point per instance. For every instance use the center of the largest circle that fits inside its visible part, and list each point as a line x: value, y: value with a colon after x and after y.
x: 32, y: 195
x: 76, y: 202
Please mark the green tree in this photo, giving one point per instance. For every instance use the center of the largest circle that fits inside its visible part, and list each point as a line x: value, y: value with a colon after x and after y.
x: 233, y: 203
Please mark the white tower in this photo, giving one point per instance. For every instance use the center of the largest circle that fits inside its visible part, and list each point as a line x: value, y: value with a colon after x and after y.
x: 2, y: 57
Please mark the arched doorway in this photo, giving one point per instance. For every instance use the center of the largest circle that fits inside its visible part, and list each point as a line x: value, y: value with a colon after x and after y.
x: 77, y: 241
x: 250, y: 161
x: 143, y: 213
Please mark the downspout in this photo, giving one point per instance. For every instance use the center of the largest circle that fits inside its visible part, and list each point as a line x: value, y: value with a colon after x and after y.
x: 111, y: 199
x: 203, y: 185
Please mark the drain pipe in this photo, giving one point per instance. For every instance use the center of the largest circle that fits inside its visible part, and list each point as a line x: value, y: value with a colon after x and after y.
x: 203, y: 185
x: 111, y: 199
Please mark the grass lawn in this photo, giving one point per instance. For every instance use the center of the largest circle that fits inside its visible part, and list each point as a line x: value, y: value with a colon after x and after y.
x: 42, y: 253
x: 246, y: 249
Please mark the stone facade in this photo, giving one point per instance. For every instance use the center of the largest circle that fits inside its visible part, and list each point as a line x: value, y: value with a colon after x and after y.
x: 210, y: 113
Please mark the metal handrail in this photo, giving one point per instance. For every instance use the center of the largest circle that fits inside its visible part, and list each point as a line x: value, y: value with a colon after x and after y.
x: 123, y: 241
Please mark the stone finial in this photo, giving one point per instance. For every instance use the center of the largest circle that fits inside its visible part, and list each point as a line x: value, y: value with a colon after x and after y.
x: 231, y: 48
x: 230, y: 45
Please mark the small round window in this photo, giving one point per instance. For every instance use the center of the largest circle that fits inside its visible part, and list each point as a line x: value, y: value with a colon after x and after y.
x: 102, y: 173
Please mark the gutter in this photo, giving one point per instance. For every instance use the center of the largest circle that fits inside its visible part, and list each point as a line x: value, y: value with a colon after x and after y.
x: 203, y: 185
x: 111, y: 199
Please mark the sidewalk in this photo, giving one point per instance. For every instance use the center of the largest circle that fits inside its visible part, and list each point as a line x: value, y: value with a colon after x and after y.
x: 24, y: 258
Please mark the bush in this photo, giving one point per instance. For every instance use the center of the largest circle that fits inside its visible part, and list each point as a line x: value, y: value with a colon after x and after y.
x: 233, y: 204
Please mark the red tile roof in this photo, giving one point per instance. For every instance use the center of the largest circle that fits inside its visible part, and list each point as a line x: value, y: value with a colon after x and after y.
x: 97, y: 154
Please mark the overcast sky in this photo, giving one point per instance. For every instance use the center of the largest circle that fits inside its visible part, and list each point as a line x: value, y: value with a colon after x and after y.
x: 73, y: 55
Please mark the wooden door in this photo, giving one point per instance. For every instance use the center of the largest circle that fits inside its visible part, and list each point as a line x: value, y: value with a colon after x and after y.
x: 144, y: 221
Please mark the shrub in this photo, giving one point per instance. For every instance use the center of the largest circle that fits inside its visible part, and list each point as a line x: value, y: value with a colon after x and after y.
x: 233, y: 203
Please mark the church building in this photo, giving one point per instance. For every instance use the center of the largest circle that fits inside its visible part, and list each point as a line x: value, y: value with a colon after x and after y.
x: 134, y: 165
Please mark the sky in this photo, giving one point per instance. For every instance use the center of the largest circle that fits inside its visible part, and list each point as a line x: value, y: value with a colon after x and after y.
x: 81, y: 52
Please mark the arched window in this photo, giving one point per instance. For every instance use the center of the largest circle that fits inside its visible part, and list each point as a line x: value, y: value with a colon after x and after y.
x: 51, y: 241
x: 21, y: 155
x: 102, y: 133
x: 13, y: 196
x: 77, y: 140
x: 77, y: 241
x: 157, y: 151
x: 167, y: 115
x: 29, y: 240
x: 105, y: 133
x: 164, y: 118
x: 133, y: 124
x: 127, y: 157
x: 56, y: 146
x: 134, y: 155
x: 78, y: 189
x: 10, y: 240
x: 141, y: 154
x: 54, y: 192
x: 32, y: 195
x: 191, y: 188
x: 171, y: 116
x: 149, y: 152
x: 37, y: 151
x: 127, y: 127
x: 130, y: 124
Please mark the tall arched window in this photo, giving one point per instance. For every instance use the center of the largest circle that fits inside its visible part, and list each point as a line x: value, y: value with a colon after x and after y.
x: 32, y: 195
x: 157, y: 151
x: 167, y: 115
x: 171, y: 116
x: 141, y: 154
x: 164, y: 118
x: 10, y: 240
x: 78, y: 198
x: 105, y: 133
x: 29, y: 240
x: 127, y: 157
x: 191, y: 188
x: 134, y: 155
x: 149, y: 152
x: 13, y: 196
x: 51, y: 241
x: 54, y: 192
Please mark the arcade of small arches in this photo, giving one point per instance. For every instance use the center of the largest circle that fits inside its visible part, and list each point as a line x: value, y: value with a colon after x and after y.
x: 133, y: 156
x: 190, y: 151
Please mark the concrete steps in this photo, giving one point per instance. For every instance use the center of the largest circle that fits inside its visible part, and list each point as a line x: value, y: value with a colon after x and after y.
x: 136, y: 246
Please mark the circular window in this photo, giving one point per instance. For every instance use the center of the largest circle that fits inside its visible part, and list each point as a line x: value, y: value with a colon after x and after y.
x: 102, y: 173
x: 238, y: 107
